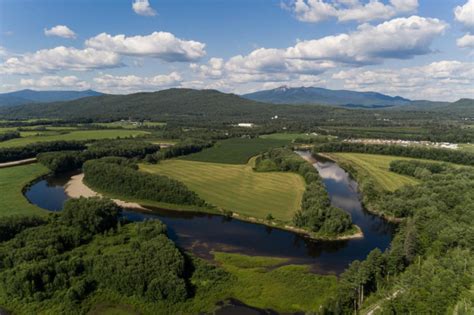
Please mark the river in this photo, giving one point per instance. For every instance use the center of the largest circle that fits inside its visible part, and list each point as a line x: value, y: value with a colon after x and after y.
x: 202, y: 233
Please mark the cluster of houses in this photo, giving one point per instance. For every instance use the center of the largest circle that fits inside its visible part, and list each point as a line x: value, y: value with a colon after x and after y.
x: 444, y: 145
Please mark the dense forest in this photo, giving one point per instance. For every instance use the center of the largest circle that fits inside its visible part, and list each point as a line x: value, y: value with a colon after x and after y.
x: 208, y: 107
x: 64, y: 261
x: 316, y: 213
x: 429, y: 267
x: 119, y: 176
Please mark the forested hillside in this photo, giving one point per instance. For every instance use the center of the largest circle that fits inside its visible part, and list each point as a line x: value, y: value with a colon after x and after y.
x: 201, y: 107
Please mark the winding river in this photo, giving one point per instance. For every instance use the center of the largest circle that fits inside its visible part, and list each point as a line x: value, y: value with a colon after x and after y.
x: 203, y: 233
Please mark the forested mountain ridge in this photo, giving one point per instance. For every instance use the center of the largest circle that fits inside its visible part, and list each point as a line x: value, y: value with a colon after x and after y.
x: 207, y: 106
x: 315, y: 95
x: 30, y: 96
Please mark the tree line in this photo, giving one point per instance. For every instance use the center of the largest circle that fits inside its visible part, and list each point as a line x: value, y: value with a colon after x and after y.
x: 9, y: 135
x: 59, y: 262
x: 120, y: 176
x: 31, y: 150
x: 447, y: 155
x: 429, y: 266
x: 316, y: 213
x: 72, y: 160
x: 184, y: 147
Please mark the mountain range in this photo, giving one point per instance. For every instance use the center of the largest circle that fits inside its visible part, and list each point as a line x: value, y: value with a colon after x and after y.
x: 316, y: 95
x: 204, y: 106
x: 30, y: 96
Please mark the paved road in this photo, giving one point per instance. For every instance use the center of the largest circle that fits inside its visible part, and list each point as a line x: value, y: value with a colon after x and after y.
x: 15, y: 163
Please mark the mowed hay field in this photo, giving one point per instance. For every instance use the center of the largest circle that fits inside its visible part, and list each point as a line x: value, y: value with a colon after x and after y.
x: 237, y: 188
x: 377, y: 166
x: 12, y: 181
x: 236, y: 150
x: 73, y: 135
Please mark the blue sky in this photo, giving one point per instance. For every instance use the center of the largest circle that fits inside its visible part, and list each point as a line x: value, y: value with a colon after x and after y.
x: 413, y: 48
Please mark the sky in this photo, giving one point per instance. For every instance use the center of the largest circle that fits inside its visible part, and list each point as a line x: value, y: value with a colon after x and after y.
x: 419, y: 49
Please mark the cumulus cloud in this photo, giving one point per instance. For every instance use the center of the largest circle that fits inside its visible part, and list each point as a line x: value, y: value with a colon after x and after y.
x: 55, y: 82
x: 400, y: 38
x: 467, y: 41
x: 142, y: 7
x: 60, y: 58
x: 162, y: 45
x: 60, y: 31
x: 465, y: 14
x: 214, y: 68
x: 441, y: 80
x: 349, y: 10
x: 132, y: 83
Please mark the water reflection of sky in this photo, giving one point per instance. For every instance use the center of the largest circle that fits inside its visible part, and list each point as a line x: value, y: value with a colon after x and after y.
x: 203, y: 233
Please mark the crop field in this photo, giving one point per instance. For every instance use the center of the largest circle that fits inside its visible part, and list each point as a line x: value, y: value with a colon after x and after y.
x: 131, y: 125
x: 287, y: 136
x: 32, y: 136
x: 237, y: 187
x: 468, y: 147
x: 12, y: 181
x: 377, y: 166
x: 236, y: 151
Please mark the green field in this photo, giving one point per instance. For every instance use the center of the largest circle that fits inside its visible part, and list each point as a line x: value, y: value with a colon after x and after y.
x: 131, y: 125
x: 237, y: 187
x: 262, y: 282
x: 12, y: 181
x: 287, y: 136
x: 468, y: 147
x: 377, y: 166
x: 236, y: 151
x: 73, y: 135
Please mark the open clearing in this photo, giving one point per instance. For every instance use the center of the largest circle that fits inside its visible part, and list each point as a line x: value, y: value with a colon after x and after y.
x: 236, y: 151
x: 12, y: 181
x: 73, y: 135
x: 263, y: 282
x: 377, y: 166
x: 237, y: 187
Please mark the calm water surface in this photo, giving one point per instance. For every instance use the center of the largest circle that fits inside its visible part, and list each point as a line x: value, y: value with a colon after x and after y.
x: 202, y: 233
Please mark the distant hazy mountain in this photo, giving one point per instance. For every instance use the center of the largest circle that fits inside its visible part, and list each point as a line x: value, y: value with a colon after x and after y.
x: 314, y: 95
x: 31, y: 96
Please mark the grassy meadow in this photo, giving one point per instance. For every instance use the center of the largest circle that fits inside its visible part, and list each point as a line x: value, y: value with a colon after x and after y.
x: 377, y: 166
x: 45, y: 136
x: 262, y: 282
x: 236, y: 151
x: 12, y: 181
x: 237, y: 188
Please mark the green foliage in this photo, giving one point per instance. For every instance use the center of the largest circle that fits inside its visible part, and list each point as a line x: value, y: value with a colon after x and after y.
x: 430, y: 262
x: 108, y: 176
x: 72, y: 160
x: 184, y: 147
x: 447, y: 155
x: 9, y: 135
x: 316, y: 212
x: 94, y: 215
x: 418, y: 169
x: 11, y: 226
x: 31, y: 150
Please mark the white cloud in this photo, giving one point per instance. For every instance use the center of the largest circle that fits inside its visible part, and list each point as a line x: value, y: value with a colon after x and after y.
x: 60, y: 58
x: 465, y: 14
x: 55, y: 82
x: 61, y: 31
x: 214, y: 68
x: 162, y: 45
x: 132, y: 83
x: 349, y: 10
x: 400, y: 38
x: 467, y: 41
x: 441, y: 80
x: 142, y: 7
